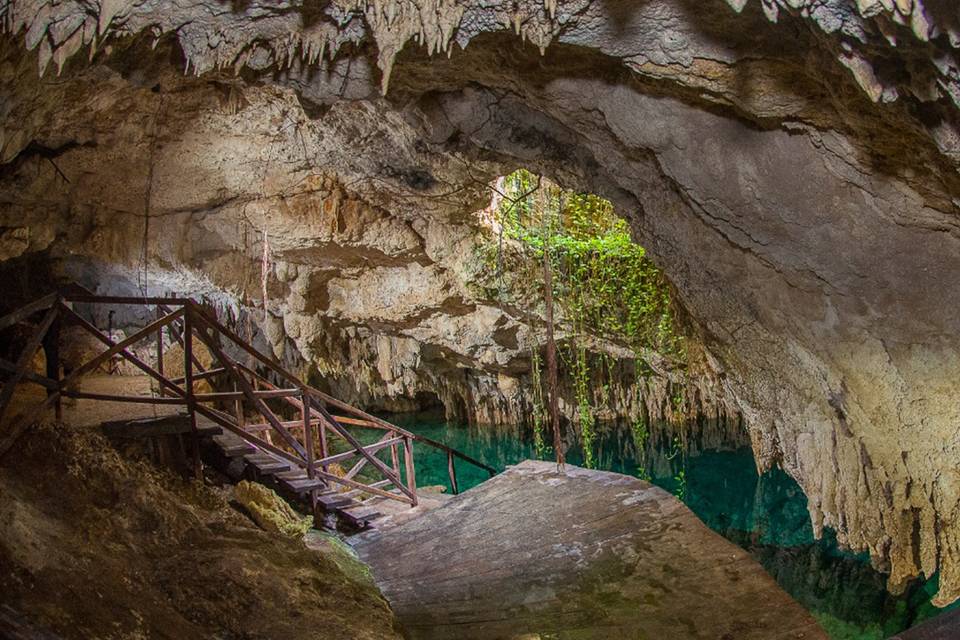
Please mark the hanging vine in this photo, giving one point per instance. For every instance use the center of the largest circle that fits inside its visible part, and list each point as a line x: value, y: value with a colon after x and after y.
x: 539, y: 406
x: 606, y: 287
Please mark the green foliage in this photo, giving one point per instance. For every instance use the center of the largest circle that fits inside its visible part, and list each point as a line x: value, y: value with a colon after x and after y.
x: 640, y: 436
x: 585, y: 417
x: 605, y: 281
x: 681, y: 480
x: 680, y: 477
x: 539, y: 406
x: 604, y: 286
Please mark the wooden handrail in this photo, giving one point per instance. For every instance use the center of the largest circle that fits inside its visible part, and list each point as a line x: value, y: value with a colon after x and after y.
x: 197, y: 322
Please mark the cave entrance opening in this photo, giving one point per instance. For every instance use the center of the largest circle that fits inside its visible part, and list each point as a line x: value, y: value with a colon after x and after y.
x: 567, y: 261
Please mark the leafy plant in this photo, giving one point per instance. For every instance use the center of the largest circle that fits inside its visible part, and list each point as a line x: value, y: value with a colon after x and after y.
x: 604, y: 285
x: 640, y: 436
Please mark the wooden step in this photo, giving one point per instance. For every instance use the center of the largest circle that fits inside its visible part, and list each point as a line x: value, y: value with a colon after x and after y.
x: 305, y: 484
x: 268, y: 464
x: 237, y: 449
x: 360, y: 516
x: 333, y: 501
x: 160, y: 426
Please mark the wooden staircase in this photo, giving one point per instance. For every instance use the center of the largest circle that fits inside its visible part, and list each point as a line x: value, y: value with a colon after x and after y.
x: 282, y: 429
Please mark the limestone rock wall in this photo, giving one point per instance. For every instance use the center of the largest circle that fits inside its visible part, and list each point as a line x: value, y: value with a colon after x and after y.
x: 791, y: 164
x: 377, y: 306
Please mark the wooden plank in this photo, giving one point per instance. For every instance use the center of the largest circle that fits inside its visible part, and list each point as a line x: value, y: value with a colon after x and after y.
x: 141, y: 301
x: 411, y: 471
x: 235, y: 447
x: 346, y: 455
x: 361, y: 516
x: 151, y: 427
x: 365, y: 488
x: 26, y: 357
x: 363, y: 461
x: 452, y: 472
x: 116, y: 348
x: 304, y: 485
x: 267, y: 465
x: 8, y: 367
x: 85, y: 395
x: 188, y: 387
x: 333, y: 501
x: 27, y: 310
x: 237, y: 395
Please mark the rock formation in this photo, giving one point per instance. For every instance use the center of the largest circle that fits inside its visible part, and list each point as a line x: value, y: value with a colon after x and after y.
x: 790, y: 164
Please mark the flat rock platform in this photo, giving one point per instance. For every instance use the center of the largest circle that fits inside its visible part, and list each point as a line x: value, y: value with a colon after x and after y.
x: 575, y: 554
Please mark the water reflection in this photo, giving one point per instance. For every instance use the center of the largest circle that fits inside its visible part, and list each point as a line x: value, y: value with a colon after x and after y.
x: 715, y: 475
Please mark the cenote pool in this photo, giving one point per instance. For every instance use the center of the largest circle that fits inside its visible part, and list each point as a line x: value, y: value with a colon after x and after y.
x: 764, y: 514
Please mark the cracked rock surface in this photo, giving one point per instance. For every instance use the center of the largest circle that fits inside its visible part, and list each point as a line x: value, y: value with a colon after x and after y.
x: 790, y: 164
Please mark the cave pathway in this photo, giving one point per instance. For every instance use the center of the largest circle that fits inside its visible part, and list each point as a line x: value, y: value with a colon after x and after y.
x: 304, y: 456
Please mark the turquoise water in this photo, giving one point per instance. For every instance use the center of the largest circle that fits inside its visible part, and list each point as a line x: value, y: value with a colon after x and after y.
x: 764, y: 514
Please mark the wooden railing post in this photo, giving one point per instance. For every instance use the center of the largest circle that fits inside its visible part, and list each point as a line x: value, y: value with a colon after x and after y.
x: 160, y: 314
x: 308, y: 446
x: 452, y: 470
x: 395, y: 458
x: 51, y: 347
x: 324, y: 452
x: 238, y: 408
x: 411, y: 471
x: 26, y: 357
x: 188, y: 387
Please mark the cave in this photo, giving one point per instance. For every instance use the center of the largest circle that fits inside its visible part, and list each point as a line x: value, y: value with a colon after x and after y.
x: 314, y: 182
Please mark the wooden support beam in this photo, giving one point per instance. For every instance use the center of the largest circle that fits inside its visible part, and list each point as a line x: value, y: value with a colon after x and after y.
x: 370, y: 448
x: 363, y: 461
x: 188, y: 387
x: 83, y: 395
x: 346, y: 435
x: 239, y: 395
x: 141, y: 301
x: 200, y: 375
x: 411, y: 470
x: 247, y: 390
x: 10, y: 438
x: 26, y: 357
x: 26, y: 311
x: 400, y: 497
x: 8, y: 367
x: 224, y: 421
x: 178, y: 337
x: 118, y: 347
x: 452, y: 471
x: 71, y: 316
x: 160, y: 349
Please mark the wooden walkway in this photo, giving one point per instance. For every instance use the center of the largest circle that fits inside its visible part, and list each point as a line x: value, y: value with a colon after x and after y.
x: 579, y: 554
x: 288, y: 431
